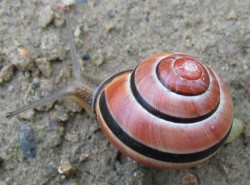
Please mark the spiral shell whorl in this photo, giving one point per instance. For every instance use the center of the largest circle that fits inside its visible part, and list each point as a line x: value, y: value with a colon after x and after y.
x: 169, y: 97
x: 183, y: 75
x: 160, y: 127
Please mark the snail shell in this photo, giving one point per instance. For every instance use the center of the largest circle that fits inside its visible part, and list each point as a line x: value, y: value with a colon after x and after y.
x: 173, y: 111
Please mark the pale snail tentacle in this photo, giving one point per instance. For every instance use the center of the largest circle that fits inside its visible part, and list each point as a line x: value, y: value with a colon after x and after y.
x: 82, y: 84
x: 76, y: 67
x: 54, y: 96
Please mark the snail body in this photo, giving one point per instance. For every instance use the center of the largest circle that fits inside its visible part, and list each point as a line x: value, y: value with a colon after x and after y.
x: 172, y: 111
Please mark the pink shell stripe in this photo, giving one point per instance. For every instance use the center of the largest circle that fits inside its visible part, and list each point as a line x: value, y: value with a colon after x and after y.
x: 162, y: 134
x: 140, y: 157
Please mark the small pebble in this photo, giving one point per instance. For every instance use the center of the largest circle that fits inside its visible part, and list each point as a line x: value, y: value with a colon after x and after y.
x: 10, y: 166
x: 77, y: 31
x: 232, y: 15
x: 97, y: 58
x: 54, y: 138
x: 110, y: 27
x: 236, y: 131
x: 83, y: 157
x: 60, y: 114
x: 21, y: 58
x: 111, y: 14
x: 46, y: 16
x: 54, y: 123
x: 72, y: 137
x: 66, y: 168
x: 86, y: 56
x: 6, y: 73
x: 11, y: 88
x: 58, y: 20
x: 27, y: 115
x: 69, y: 2
x: 23, y: 52
x: 189, y: 179
x: 225, y: 169
x: 188, y: 42
x: 50, y: 171
x: 205, y: 28
x: 44, y: 66
x: 27, y: 142
x: 85, y: 29
x: 176, y: 2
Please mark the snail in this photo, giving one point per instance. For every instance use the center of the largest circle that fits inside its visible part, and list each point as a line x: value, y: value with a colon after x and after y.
x: 171, y: 112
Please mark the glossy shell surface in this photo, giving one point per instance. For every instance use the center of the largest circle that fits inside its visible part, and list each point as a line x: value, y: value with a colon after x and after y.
x: 173, y: 111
